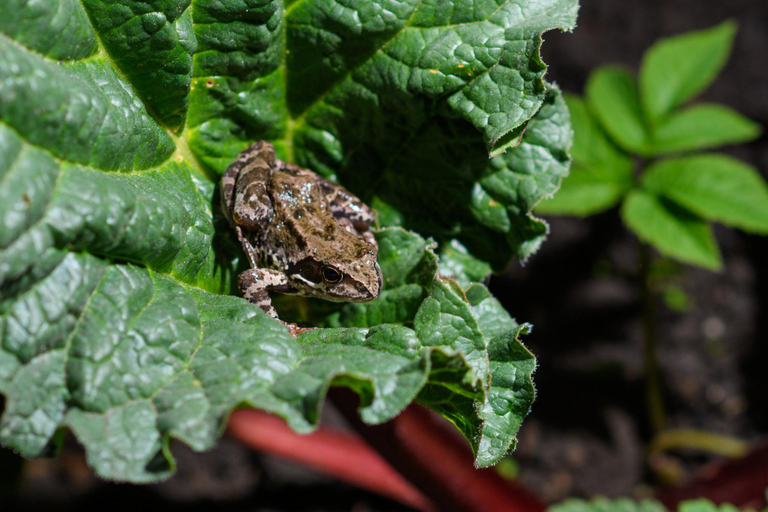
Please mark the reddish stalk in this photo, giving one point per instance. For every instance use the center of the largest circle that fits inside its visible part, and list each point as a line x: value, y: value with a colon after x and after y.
x: 423, y: 449
x: 342, y: 455
x: 430, y: 455
x: 741, y: 482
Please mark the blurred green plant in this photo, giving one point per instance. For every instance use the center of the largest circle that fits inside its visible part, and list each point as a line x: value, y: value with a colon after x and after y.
x: 639, y: 145
x: 636, y: 143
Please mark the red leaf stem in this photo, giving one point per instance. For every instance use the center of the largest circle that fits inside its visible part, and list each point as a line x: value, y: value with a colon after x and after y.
x: 423, y: 449
x: 342, y: 455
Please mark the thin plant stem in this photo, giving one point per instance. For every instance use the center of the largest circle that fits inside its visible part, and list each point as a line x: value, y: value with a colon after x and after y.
x: 654, y: 396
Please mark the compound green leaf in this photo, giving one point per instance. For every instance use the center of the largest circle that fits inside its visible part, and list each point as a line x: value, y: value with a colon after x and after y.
x: 673, y: 230
x: 116, y: 120
x: 612, y: 96
x: 677, y: 68
x: 591, y: 145
x: 701, y: 127
x: 716, y: 187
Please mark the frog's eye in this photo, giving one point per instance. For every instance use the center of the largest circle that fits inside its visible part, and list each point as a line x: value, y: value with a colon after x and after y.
x: 331, y: 275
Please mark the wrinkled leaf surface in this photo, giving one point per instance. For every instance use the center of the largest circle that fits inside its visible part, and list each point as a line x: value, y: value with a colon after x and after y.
x: 116, y: 121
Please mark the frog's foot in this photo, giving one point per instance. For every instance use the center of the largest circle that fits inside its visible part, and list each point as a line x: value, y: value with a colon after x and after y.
x: 295, y: 329
x: 254, y: 284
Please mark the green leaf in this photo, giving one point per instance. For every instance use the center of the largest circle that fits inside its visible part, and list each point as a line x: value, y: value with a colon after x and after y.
x: 116, y: 120
x: 425, y: 49
x: 76, y: 117
x: 671, y: 229
x: 462, y: 267
x: 600, y: 175
x: 511, y: 366
x: 512, y: 184
x: 198, y: 361
x: 716, y: 187
x: 701, y: 127
x: 59, y: 30
x: 704, y: 505
x: 628, y: 505
x: 676, y: 69
x: 676, y: 299
x: 607, y: 505
x: 152, y: 44
x: 591, y: 145
x: 612, y: 96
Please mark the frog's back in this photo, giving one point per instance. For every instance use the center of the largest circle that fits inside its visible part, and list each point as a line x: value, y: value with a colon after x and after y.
x: 305, y: 207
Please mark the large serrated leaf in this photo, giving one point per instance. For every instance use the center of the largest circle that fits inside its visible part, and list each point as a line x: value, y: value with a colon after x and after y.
x: 379, y: 95
x: 113, y: 252
x: 152, y: 43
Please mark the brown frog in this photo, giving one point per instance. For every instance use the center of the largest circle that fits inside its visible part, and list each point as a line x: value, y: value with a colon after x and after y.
x: 302, y: 234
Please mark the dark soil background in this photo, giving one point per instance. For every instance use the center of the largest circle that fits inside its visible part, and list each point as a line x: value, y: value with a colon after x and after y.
x: 587, y: 433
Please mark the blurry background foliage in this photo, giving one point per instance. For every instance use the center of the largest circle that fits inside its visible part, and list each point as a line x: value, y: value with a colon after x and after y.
x: 639, y: 144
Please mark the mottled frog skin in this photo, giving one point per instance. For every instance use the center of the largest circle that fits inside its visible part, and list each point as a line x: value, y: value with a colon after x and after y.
x: 302, y: 234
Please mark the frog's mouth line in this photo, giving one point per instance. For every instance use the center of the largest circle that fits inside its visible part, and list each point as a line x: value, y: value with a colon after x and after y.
x: 299, y: 277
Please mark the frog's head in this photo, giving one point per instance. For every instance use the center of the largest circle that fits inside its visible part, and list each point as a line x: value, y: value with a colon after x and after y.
x: 354, y: 278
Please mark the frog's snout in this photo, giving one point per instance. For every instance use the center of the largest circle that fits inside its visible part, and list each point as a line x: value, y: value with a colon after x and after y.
x: 375, y: 293
x: 376, y: 287
x: 372, y: 290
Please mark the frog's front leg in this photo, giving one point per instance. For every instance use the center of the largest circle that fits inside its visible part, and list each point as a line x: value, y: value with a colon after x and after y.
x: 244, y: 196
x: 254, y: 284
